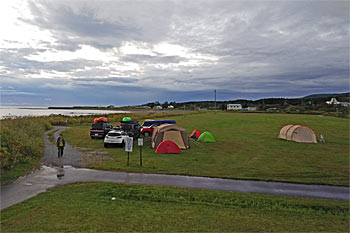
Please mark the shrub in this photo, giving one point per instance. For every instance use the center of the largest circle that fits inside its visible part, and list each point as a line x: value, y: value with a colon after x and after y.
x: 21, y: 140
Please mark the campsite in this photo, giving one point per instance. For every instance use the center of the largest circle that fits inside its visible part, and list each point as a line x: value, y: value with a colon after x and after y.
x: 175, y: 116
x: 247, y: 147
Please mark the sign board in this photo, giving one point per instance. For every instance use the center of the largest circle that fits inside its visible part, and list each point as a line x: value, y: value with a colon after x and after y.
x: 140, y: 142
x: 128, y: 144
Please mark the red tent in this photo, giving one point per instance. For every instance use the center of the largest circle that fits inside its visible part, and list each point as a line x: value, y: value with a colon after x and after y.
x: 195, y: 134
x: 168, y: 147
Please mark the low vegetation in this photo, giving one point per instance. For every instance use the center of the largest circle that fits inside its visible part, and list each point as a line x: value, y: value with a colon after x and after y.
x: 247, y: 147
x: 88, y: 207
x: 22, y: 146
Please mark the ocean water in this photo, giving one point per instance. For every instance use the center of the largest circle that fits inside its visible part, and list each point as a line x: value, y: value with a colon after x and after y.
x: 6, y: 111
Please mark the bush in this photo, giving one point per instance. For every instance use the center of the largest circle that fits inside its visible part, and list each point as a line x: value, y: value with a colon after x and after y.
x: 21, y: 140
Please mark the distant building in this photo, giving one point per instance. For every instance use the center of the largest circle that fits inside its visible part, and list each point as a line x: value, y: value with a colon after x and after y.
x: 333, y: 101
x: 234, y: 106
x: 336, y: 102
x: 158, y: 107
x: 171, y: 107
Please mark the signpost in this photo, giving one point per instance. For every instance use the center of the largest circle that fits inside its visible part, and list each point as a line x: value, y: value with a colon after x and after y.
x: 140, y: 144
x: 128, y: 147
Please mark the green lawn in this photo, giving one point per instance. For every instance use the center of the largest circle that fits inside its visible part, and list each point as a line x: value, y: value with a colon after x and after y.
x: 247, y: 148
x: 88, y: 207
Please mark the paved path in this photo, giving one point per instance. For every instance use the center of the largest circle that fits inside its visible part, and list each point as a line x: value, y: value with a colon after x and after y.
x: 71, y: 156
x: 48, y: 177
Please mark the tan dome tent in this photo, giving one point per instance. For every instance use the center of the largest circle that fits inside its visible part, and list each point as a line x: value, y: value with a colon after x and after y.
x: 170, y: 132
x: 297, y: 133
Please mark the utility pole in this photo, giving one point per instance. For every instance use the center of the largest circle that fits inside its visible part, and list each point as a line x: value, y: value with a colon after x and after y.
x: 215, y: 100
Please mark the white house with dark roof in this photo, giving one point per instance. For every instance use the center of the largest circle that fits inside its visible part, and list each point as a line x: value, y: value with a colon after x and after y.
x: 336, y: 102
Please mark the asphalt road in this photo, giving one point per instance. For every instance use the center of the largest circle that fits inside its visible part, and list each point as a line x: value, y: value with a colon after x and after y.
x: 51, y: 175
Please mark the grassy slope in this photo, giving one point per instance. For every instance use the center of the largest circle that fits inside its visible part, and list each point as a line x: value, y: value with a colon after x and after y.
x: 247, y: 147
x: 88, y: 207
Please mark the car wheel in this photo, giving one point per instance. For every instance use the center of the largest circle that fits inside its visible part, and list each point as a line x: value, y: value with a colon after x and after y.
x: 146, y: 134
x: 106, y: 145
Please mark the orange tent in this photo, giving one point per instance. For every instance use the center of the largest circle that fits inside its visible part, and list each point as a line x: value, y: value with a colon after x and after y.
x: 195, y: 134
x: 170, y: 132
x: 297, y: 133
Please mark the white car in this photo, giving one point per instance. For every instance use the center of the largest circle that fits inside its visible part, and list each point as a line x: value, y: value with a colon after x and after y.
x: 115, y: 137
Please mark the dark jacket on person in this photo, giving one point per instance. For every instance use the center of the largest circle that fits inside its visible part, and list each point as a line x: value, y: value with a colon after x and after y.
x: 63, y: 142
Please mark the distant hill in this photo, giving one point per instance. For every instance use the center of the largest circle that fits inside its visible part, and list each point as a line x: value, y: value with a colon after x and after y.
x: 310, y: 100
x: 316, y: 96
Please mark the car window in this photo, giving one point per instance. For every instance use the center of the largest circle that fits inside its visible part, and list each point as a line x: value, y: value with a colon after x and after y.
x: 114, y: 134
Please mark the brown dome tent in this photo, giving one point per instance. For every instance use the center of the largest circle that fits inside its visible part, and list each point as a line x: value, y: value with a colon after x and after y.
x: 297, y: 133
x: 170, y: 132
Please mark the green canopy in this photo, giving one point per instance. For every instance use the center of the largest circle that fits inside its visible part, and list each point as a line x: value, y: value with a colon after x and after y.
x: 206, y: 137
x: 126, y: 118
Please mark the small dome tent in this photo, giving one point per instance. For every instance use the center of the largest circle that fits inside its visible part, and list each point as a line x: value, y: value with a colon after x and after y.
x: 195, y: 134
x: 206, y: 137
x: 297, y: 133
x: 170, y: 132
x: 168, y: 147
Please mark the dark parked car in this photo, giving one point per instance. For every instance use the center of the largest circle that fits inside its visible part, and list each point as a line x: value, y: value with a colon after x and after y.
x: 132, y: 128
x: 100, y: 129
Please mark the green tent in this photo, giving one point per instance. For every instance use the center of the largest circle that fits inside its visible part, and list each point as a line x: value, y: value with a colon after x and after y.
x: 206, y: 137
x: 126, y: 118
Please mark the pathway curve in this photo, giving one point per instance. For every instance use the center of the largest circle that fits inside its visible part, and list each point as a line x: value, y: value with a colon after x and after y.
x: 50, y: 176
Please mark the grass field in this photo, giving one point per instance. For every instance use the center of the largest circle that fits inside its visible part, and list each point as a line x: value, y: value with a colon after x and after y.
x: 247, y: 148
x: 88, y: 207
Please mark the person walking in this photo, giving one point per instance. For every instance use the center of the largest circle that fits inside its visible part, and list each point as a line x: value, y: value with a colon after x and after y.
x: 61, y: 143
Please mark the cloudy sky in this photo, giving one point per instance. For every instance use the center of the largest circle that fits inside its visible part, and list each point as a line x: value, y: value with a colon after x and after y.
x: 133, y: 52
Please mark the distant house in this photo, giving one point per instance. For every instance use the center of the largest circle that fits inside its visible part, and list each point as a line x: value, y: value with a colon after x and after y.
x: 158, y: 107
x: 333, y: 101
x: 336, y: 102
x: 234, y: 106
x: 171, y: 107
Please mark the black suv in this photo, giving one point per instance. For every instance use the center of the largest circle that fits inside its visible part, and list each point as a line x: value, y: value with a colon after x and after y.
x: 132, y: 128
x: 100, y: 129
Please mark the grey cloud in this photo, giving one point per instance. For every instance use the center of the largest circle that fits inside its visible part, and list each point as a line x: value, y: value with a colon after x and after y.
x: 104, y: 25
x: 263, y: 47
x: 107, y: 80
x: 152, y: 59
x: 14, y: 60
x: 63, y: 18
